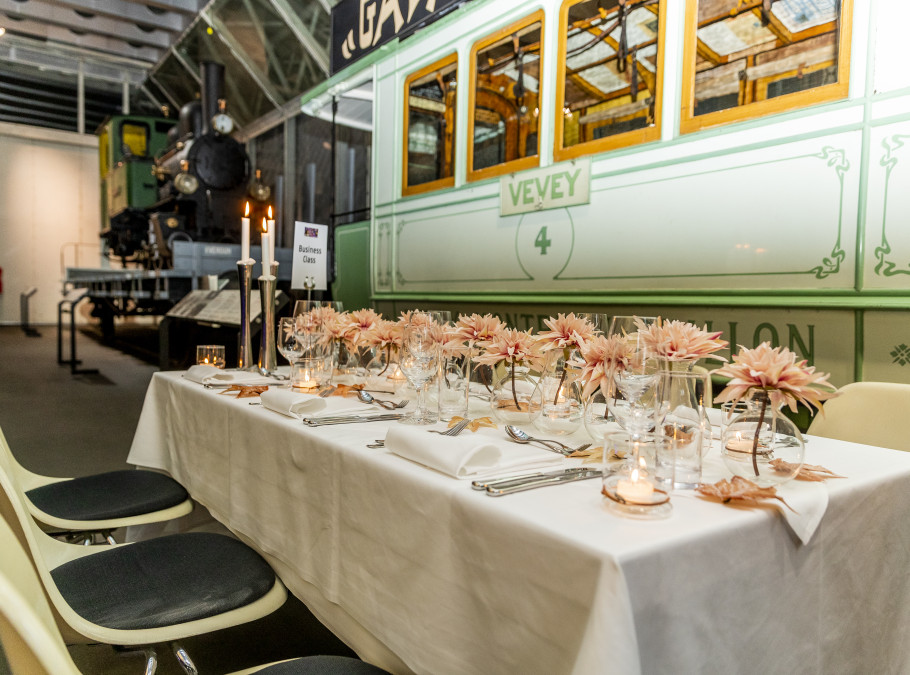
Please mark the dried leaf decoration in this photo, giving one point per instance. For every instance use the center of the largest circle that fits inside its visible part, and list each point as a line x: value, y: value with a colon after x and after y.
x: 808, y: 472
x: 595, y: 455
x: 347, y: 389
x: 740, y: 489
x: 473, y: 425
x: 245, y: 391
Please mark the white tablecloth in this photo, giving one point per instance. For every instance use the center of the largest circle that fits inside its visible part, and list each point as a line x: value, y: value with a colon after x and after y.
x: 417, y: 572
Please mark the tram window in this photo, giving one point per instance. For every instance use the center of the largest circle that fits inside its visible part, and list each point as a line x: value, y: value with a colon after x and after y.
x: 748, y: 59
x: 134, y: 138
x: 429, y: 131
x: 609, y: 75
x: 504, y: 123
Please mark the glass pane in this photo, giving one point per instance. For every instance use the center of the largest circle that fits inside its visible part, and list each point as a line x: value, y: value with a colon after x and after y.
x: 270, y: 47
x: 176, y: 80
x: 746, y: 53
x: 610, y: 69
x: 135, y: 137
x: 431, y: 126
x: 506, y: 106
x: 246, y: 101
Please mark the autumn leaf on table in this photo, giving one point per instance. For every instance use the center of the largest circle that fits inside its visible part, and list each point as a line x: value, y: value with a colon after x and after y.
x: 740, y: 489
x: 347, y: 389
x: 473, y: 425
x: 246, y: 391
x: 808, y: 472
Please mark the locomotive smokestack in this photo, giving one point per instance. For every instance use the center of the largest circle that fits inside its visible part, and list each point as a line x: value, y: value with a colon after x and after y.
x: 212, y: 89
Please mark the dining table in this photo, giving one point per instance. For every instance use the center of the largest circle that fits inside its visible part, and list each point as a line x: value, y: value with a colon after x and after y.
x: 420, y: 573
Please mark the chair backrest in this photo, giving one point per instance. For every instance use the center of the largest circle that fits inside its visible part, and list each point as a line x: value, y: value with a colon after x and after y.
x: 872, y: 413
x: 28, y: 631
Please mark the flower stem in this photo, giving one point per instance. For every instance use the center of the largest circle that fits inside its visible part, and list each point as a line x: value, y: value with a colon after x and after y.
x: 562, y: 380
x: 761, y: 419
x: 514, y: 393
x: 388, y: 360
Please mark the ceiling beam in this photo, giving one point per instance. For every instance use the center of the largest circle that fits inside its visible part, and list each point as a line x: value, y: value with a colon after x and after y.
x: 189, y: 7
x: 68, y: 19
x: 98, y: 43
x: 318, y: 52
x: 172, y: 22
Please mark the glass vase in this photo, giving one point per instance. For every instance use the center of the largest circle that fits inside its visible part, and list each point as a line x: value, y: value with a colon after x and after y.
x: 515, y: 397
x: 683, y: 419
x: 562, y: 408
x: 597, y: 416
x: 762, y: 444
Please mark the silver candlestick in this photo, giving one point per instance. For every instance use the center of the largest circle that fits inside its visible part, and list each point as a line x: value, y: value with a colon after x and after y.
x: 245, y: 355
x: 268, y: 360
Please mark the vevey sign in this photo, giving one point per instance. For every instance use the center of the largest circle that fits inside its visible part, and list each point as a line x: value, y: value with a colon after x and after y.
x: 552, y: 187
x: 360, y: 26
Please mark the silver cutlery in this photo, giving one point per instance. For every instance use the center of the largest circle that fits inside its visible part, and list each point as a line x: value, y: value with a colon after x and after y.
x: 366, y: 397
x: 542, y: 481
x: 502, y: 481
x: 379, y: 443
x: 328, y: 391
x: 350, y: 419
x: 520, y: 436
x: 453, y: 431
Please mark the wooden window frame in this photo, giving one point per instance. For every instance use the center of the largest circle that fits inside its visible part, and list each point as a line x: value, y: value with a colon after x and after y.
x: 523, y: 162
x: 690, y: 123
x: 625, y: 139
x: 439, y: 183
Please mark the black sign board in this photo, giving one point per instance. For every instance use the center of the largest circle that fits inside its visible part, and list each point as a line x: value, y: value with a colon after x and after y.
x: 360, y: 26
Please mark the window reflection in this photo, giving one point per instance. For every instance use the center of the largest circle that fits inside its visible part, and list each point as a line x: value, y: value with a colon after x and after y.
x: 609, y: 79
x: 506, y: 100
x: 746, y: 54
x: 430, y: 127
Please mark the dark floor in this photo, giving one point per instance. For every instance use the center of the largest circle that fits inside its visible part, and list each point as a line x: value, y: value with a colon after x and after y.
x: 62, y: 424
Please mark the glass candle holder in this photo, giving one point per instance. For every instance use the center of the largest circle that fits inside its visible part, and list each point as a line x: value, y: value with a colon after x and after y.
x: 210, y: 355
x: 309, y: 373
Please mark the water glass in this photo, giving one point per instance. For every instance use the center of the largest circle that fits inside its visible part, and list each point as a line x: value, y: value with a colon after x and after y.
x: 685, y: 422
x: 210, y: 355
x: 453, y: 388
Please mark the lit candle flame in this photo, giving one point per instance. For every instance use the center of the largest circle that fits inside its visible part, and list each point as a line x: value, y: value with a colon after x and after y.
x: 270, y: 211
x: 634, y: 475
x: 246, y: 211
x: 265, y: 226
x: 739, y: 435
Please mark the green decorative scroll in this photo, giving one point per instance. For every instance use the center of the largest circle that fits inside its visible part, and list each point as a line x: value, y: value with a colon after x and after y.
x: 837, y: 158
x: 384, y: 236
x: 885, y: 267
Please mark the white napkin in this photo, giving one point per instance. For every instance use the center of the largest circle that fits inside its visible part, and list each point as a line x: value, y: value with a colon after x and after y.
x: 469, y: 455
x: 809, y: 501
x: 291, y: 403
x: 213, y: 375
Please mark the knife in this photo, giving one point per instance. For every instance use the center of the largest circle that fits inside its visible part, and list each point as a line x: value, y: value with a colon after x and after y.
x: 350, y: 419
x: 543, y: 481
x: 504, y: 481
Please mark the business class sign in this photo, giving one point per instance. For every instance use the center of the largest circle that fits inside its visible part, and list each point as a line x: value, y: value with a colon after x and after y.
x: 360, y: 26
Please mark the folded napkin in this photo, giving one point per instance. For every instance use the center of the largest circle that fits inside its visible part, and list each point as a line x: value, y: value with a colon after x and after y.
x: 213, y: 375
x: 297, y: 404
x: 291, y: 403
x: 467, y: 456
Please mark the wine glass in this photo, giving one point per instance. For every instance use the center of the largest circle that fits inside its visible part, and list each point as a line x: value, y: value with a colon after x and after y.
x: 288, y: 343
x: 419, y: 361
x: 626, y: 325
x: 633, y: 395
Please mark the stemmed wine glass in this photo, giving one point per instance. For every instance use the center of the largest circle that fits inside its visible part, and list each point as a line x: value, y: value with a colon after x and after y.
x: 633, y: 391
x: 419, y: 361
x: 289, y: 345
x: 626, y: 325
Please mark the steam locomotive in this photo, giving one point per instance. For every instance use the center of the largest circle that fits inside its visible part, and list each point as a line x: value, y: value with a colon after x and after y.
x: 165, y: 180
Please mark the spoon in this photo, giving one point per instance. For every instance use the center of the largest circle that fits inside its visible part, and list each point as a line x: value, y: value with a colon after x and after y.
x: 366, y: 397
x: 520, y: 436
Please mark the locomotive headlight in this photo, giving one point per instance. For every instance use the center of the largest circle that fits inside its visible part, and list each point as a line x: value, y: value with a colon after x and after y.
x: 186, y: 183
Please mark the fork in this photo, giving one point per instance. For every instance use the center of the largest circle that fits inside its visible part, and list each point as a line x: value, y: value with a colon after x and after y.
x: 328, y: 391
x: 454, y: 431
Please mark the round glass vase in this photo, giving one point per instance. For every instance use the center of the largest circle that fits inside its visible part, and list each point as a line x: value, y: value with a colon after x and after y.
x: 762, y: 444
x: 562, y: 407
x: 515, y: 397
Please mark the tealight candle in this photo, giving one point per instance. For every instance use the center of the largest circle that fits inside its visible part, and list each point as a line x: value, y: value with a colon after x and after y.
x: 634, y: 489
x: 739, y: 444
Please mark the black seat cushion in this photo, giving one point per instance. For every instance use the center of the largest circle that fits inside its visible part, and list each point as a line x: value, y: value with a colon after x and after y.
x: 322, y: 665
x: 164, y: 581
x: 116, y: 494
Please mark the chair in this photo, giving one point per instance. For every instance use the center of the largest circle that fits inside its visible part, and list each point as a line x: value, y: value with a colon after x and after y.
x: 872, y: 413
x: 33, y: 645
x: 101, y: 502
x: 156, y: 591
